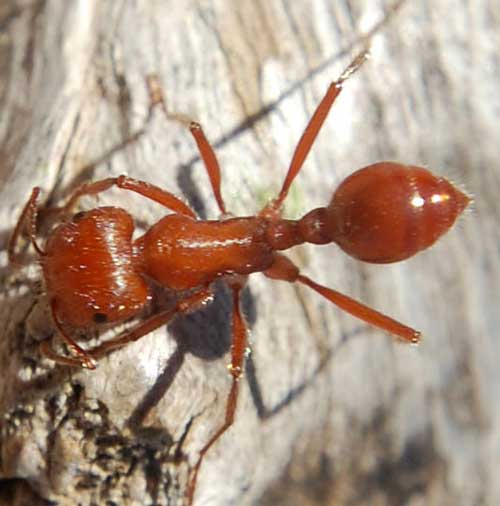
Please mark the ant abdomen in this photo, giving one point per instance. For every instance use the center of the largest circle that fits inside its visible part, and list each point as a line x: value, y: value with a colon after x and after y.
x: 387, y: 212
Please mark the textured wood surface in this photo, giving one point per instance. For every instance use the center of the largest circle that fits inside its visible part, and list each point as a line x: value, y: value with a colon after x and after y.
x: 331, y: 412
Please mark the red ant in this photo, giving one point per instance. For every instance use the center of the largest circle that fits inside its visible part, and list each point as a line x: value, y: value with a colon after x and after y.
x: 95, y: 273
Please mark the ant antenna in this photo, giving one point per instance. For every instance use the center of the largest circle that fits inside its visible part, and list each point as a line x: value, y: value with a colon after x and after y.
x: 156, y: 97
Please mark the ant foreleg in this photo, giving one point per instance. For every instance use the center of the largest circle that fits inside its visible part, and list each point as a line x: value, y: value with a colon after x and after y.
x: 284, y: 270
x: 49, y: 353
x: 206, y: 151
x: 29, y: 216
x: 88, y: 358
x: 238, y: 355
x: 82, y: 358
x: 183, y: 305
x: 311, y: 132
x: 152, y: 192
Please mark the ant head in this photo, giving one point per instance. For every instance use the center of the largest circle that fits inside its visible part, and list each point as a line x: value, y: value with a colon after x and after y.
x: 388, y: 212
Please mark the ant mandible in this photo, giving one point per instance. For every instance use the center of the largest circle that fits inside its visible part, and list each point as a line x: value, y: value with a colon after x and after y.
x: 96, y: 273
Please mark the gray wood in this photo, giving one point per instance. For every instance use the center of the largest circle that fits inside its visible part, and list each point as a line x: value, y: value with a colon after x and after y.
x: 332, y: 412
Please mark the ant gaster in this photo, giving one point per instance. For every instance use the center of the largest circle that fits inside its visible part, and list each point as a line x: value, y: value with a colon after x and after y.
x: 96, y: 273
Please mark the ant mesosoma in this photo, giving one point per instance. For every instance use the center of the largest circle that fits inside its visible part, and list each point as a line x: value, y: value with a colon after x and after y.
x: 96, y: 273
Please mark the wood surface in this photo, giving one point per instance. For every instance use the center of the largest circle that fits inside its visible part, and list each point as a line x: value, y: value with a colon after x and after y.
x: 331, y: 412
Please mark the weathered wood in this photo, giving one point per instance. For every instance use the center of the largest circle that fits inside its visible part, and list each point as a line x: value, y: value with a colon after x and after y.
x: 337, y: 410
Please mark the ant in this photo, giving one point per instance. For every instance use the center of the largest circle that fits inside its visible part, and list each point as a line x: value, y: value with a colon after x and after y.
x: 95, y: 273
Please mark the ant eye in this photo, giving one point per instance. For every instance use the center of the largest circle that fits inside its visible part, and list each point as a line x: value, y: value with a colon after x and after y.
x: 78, y: 216
x: 100, y: 318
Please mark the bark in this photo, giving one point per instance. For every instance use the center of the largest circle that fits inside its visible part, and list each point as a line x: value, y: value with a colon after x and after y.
x: 331, y: 412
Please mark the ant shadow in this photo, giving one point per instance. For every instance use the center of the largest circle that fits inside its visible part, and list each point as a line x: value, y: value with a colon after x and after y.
x: 190, y: 333
x: 264, y: 412
x: 206, y: 334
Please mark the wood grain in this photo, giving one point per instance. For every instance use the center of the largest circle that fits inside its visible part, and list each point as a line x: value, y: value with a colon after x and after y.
x: 331, y: 412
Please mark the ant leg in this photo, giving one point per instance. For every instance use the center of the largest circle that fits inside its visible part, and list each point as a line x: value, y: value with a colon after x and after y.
x: 152, y: 192
x: 212, y: 167
x: 184, y: 305
x: 206, y: 151
x: 48, y: 352
x: 284, y: 270
x: 28, y: 215
x: 87, y: 358
x: 311, y: 132
x: 238, y: 355
x: 82, y: 358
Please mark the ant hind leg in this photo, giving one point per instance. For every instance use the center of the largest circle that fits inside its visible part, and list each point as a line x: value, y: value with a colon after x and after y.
x: 283, y: 269
x: 311, y: 132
